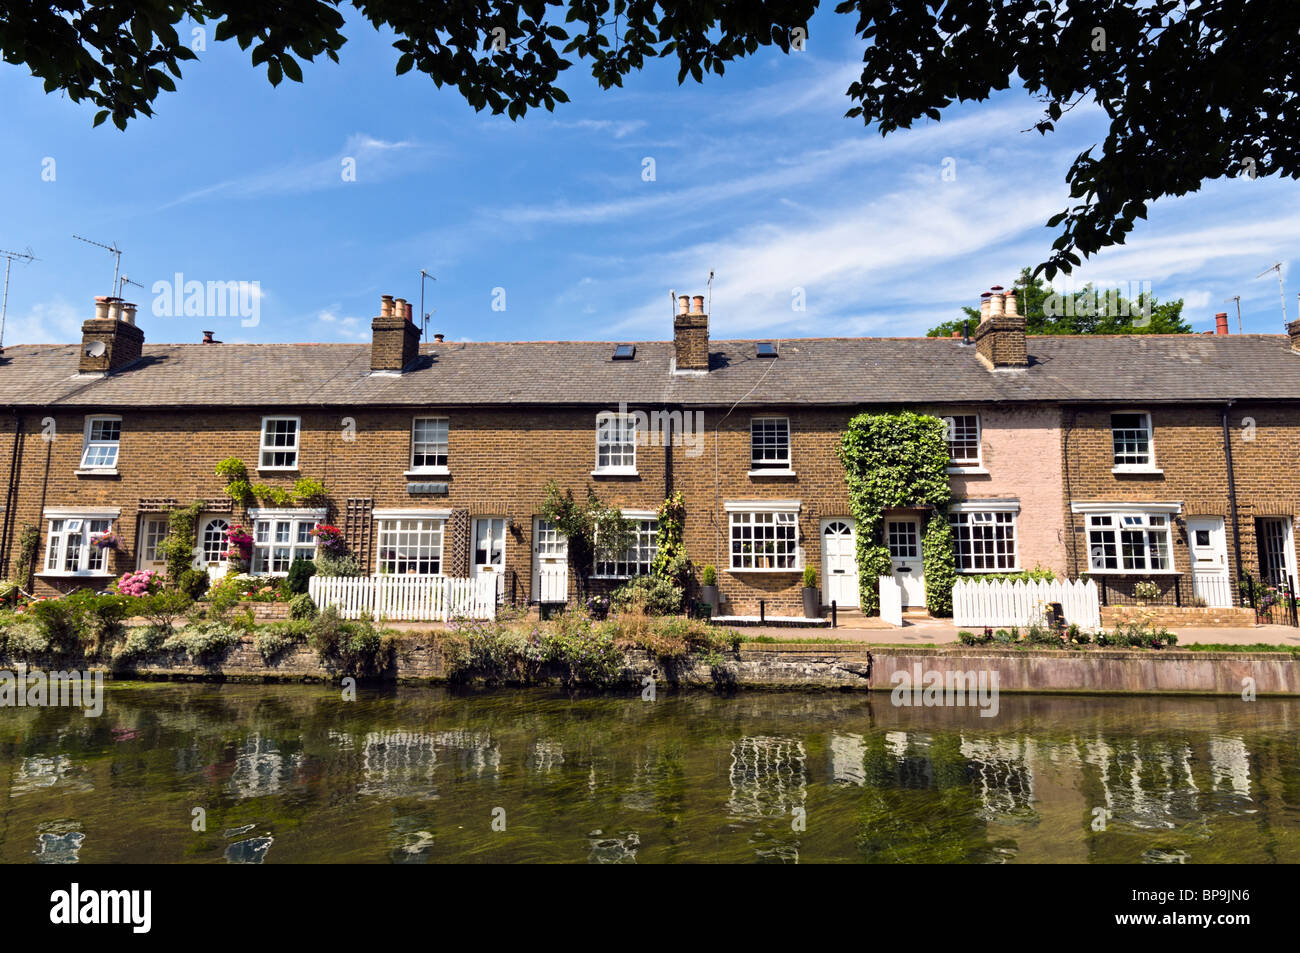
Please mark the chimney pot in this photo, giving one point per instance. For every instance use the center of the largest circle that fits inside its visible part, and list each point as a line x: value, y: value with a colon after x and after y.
x: 1009, y: 302
x: 996, y: 302
x: 1221, y: 323
x: 207, y: 337
x: 684, y: 304
x: 439, y: 337
x: 101, y: 308
x: 697, y: 304
x: 115, y: 309
x: 128, y: 312
x: 385, y: 305
x: 984, y: 306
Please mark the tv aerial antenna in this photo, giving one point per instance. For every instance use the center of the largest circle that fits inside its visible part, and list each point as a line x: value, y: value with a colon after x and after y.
x: 424, y: 315
x: 26, y: 257
x: 123, y: 281
x: 1277, y: 266
x: 1237, y: 298
x: 112, y: 250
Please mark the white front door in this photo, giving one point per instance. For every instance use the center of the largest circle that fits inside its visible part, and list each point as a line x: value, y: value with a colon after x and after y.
x: 550, y: 563
x: 903, y: 537
x: 490, y: 550
x: 210, y: 554
x: 1209, y: 556
x: 840, y: 563
x: 153, y: 530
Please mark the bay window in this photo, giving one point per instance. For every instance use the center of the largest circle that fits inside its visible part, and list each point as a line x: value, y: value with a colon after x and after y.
x: 984, y: 540
x: 280, y: 537
x: 1133, y: 542
x: 71, y: 545
x: 764, y: 536
x: 411, y: 546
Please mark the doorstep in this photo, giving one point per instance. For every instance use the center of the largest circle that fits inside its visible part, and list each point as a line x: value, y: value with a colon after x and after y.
x: 790, y: 621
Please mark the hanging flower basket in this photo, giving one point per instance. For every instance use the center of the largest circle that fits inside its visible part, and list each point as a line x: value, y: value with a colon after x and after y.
x: 106, y: 541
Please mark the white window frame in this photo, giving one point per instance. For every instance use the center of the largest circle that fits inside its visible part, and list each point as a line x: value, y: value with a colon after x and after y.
x: 297, y: 525
x: 965, y: 464
x: 1129, y: 467
x: 769, y: 466
x: 88, y: 444
x: 390, y: 527
x: 1128, y: 518
x: 430, y: 469
x: 638, y: 557
x: 756, y: 514
x: 64, y: 525
x: 992, y: 513
x: 264, y: 448
x: 603, y: 442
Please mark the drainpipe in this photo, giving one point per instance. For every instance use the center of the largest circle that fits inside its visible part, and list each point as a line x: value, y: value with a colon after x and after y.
x: 1232, y: 490
x: 11, y: 495
x: 668, y: 454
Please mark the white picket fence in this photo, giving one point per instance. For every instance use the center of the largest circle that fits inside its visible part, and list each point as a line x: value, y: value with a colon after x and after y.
x: 406, y: 598
x: 552, y: 585
x: 976, y: 603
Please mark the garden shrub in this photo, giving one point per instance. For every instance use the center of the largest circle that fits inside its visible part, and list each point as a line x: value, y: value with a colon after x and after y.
x: 162, y: 609
x: 655, y: 594
x: 205, y: 642
x: 275, y: 639
x: 302, y: 606
x: 357, y: 648
x: 194, y: 583
x: 25, y: 640
x: 141, y: 642
x: 300, y: 572
x: 328, y: 564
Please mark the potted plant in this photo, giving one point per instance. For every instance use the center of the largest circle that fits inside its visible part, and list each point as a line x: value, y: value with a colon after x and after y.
x: 709, y: 589
x: 812, y: 604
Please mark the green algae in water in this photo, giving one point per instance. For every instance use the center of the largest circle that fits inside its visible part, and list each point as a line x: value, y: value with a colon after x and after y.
x: 292, y: 773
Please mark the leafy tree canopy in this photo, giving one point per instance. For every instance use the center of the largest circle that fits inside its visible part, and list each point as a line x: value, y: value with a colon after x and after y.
x: 1192, y: 89
x: 1090, y: 310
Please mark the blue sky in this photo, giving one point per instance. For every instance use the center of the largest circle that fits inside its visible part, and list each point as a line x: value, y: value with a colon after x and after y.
x: 757, y: 176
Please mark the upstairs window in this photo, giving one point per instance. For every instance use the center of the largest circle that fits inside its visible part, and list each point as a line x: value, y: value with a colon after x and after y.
x: 769, y: 443
x: 101, y: 441
x: 615, y: 443
x: 429, y: 443
x: 963, y: 440
x: 279, y: 443
x: 1131, y: 436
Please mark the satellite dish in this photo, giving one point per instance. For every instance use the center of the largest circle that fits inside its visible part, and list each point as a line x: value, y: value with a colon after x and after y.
x: 96, y: 349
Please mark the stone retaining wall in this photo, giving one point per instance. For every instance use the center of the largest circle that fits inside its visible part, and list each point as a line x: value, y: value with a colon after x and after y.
x: 808, y: 666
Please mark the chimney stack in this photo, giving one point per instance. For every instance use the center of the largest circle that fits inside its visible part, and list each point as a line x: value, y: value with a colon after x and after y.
x: 1293, y: 332
x: 691, y: 334
x: 1000, y: 337
x: 110, y: 340
x: 1221, y: 323
x: 395, y: 340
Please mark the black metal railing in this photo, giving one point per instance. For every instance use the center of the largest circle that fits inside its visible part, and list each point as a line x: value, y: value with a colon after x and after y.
x: 1177, y: 590
x: 1274, y: 602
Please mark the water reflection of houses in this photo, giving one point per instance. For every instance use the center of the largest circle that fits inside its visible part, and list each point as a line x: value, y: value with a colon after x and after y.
x: 402, y: 763
x: 39, y: 771
x: 261, y: 769
x: 847, y: 753
x: 545, y: 756
x: 1230, y: 773
x: 1145, y: 783
x: 1001, y: 773
x: 768, y: 777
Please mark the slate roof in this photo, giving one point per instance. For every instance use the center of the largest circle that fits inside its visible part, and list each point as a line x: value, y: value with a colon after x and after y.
x: 815, y: 371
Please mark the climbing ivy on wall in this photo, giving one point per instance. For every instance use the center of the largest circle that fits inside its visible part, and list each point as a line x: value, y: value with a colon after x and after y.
x: 177, y: 547
x: 900, y: 460
x: 670, y: 562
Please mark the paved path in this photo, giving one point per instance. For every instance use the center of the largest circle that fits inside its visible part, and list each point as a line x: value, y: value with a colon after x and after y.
x: 934, y: 632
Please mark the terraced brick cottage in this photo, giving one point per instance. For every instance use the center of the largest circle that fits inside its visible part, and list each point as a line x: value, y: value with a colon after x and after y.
x: 435, y: 454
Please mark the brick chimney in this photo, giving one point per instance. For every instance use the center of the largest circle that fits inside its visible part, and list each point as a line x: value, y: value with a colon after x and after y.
x: 691, y: 334
x: 395, y: 340
x: 110, y: 340
x: 1221, y: 323
x: 1293, y: 331
x: 1000, y: 337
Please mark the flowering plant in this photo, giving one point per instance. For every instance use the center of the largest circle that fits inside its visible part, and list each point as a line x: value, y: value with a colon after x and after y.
x: 137, y: 583
x: 106, y: 541
x: 239, y: 543
x: 330, y: 539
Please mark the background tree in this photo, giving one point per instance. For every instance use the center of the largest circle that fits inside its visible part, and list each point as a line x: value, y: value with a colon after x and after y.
x: 1088, y: 311
x: 1192, y: 89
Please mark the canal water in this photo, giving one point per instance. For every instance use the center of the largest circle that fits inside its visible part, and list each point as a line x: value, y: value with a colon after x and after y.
x: 293, y: 773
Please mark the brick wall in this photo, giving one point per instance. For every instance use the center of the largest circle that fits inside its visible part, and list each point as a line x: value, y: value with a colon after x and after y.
x: 1188, y: 447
